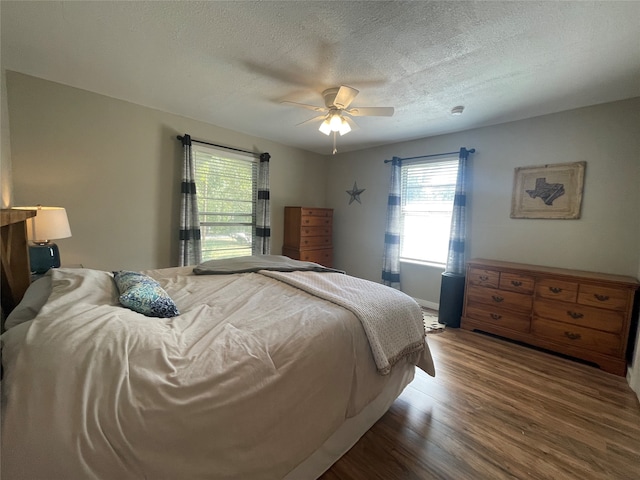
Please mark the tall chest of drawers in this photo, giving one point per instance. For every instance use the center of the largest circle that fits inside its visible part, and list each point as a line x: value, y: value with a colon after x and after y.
x: 585, y: 315
x: 308, y: 234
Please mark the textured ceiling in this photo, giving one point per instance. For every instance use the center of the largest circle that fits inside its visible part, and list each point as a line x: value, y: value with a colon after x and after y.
x: 232, y: 63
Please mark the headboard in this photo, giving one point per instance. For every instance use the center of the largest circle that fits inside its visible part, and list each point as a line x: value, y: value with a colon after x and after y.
x: 14, y: 252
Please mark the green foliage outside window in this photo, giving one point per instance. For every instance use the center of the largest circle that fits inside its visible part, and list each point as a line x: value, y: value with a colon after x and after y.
x: 226, y: 189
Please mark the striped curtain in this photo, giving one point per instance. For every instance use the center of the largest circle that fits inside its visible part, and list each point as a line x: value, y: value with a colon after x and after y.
x: 458, y: 233
x: 190, y: 248
x: 391, y: 254
x: 262, y: 238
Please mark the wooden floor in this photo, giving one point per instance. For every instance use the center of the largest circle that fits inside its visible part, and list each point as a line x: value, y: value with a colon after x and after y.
x: 498, y: 410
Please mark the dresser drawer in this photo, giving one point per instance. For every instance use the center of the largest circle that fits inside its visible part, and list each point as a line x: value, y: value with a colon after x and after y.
x: 316, y: 231
x: 485, y: 278
x: 503, y: 299
x: 517, y: 283
x: 593, y: 340
x: 323, y: 257
x: 557, y: 289
x: 588, y: 317
x: 315, y: 242
x: 498, y: 317
x: 315, y: 221
x: 604, y: 297
x: 316, y: 212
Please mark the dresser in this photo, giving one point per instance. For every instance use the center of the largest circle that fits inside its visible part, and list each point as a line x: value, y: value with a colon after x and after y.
x: 308, y: 234
x: 585, y: 315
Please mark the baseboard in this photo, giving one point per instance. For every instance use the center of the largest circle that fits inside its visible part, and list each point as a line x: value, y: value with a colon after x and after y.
x: 635, y: 386
x: 427, y: 304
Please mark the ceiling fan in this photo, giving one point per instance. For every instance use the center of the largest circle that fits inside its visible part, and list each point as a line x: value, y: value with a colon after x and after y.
x: 336, y: 114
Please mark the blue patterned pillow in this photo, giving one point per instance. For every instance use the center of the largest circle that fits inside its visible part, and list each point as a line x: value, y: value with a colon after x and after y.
x: 143, y: 294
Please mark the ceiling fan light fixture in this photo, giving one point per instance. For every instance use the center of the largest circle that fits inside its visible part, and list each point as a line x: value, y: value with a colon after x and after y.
x: 337, y: 101
x: 344, y: 127
x: 325, y: 127
x: 336, y: 122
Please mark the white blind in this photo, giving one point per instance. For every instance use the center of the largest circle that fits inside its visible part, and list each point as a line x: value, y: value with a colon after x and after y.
x: 226, y: 186
x: 428, y: 190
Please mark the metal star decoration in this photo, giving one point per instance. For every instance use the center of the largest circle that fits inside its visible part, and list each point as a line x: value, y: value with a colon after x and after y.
x: 355, y: 193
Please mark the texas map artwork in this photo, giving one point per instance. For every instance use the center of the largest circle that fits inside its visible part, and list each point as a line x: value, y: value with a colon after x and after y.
x: 548, y: 192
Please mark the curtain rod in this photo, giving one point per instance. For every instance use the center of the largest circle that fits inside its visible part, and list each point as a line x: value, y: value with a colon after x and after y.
x: 180, y: 137
x: 471, y: 150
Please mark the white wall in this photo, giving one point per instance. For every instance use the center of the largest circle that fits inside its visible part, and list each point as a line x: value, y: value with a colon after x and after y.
x: 116, y: 168
x: 604, y: 239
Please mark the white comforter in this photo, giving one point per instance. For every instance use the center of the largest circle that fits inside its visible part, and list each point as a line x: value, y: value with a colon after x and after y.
x: 246, y: 383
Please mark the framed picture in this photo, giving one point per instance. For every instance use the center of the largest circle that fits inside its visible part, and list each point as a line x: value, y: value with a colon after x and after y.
x: 549, y: 191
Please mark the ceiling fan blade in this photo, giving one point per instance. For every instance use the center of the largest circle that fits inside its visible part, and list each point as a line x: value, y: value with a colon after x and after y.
x: 371, y: 111
x: 345, y: 96
x: 315, y: 108
x: 319, y: 117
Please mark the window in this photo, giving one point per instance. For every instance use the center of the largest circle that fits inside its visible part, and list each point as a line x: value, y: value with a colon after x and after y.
x: 226, y: 184
x: 427, y: 193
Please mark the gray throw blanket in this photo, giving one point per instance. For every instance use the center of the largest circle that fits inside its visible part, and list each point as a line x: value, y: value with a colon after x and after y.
x: 255, y: 263
x: 391, y: 319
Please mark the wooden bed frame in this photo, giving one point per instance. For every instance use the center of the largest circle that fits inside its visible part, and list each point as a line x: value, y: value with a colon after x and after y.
x: 14, y: 253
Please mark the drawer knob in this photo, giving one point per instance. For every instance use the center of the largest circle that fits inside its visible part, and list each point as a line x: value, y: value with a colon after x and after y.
x: 601, y: 298
x: 555, y: 289
x: 483, y: 278
x: 496, y: 298
x: 495, y: 316
x: 572, y: 336
x: 575, y: 315
x: 516, y: 283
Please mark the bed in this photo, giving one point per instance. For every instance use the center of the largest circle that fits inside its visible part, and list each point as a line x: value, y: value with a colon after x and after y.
x: 267, y: 373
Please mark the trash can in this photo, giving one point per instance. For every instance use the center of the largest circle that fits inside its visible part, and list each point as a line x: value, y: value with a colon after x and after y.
x: 451, y: 299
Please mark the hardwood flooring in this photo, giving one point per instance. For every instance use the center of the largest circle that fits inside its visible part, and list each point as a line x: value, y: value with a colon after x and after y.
x: 498, y: 410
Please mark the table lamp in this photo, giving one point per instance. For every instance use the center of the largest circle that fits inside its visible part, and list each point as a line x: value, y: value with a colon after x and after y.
x: 50, y: 223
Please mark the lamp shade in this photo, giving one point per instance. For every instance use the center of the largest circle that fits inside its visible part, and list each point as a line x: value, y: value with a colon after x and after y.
x: 344, y: 127
x: 335, y: 122
x: 325, y: 127
x: 50, y: 223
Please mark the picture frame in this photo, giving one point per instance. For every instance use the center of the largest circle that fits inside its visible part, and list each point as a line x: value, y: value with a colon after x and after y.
x: 548, y: 191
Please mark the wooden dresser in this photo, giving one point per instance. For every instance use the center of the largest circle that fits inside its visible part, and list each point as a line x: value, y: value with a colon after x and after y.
x: 584, y: 315
x: 308, y: 234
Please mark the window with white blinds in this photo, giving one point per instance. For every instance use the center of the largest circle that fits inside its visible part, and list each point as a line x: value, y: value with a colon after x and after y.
x: 226, y: 186
x: 427, y: 193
